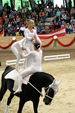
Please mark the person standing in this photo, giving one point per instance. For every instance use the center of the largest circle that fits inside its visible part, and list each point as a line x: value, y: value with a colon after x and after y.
x: 18, y: 48
x: 31, y: 35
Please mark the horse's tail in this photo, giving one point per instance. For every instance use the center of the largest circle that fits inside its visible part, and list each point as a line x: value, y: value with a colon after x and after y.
x: 3, y: 84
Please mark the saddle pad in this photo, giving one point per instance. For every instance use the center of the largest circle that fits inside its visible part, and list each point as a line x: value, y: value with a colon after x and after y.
x: 13, y: 76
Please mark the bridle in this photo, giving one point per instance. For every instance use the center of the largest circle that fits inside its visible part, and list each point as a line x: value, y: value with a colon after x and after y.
x: 54, y: 85
x: 46, y: 93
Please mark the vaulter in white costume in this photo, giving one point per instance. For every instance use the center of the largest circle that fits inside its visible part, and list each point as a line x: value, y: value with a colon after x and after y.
x: 18, y: 48
x: 35, y: 66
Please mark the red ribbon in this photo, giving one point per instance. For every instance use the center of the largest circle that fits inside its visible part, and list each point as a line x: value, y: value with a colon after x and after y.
x: 65, y: 45
x: 48, y: 43
x: 7, y: 45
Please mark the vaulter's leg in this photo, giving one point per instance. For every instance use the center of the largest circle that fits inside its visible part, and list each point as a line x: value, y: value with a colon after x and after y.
x: 8, y: 102
x: 19, y: 82
x: 22, y: 75
x: 16, y: 53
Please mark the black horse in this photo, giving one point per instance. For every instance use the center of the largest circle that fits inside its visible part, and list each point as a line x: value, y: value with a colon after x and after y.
x: 39, y: 80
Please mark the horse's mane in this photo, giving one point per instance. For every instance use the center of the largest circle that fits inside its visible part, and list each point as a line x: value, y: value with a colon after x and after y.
x: 9, y: 67
x: 41, y: 77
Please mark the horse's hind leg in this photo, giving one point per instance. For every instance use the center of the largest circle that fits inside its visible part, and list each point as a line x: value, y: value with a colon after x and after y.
x: 8, y: 102
x: 2, y: 90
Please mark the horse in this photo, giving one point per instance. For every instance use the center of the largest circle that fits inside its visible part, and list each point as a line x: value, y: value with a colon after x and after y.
x: 39, y: 80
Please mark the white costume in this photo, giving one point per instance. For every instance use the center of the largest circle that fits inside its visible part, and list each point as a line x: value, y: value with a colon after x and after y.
x: 26, y: 42
x: 35, y: 66
x: 29, y: 35
x: 16, y: 49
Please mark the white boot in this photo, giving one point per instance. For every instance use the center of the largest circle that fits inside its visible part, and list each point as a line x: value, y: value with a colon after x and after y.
x: 6, y: 110
x: 19, y: 81
x: 0, y: 103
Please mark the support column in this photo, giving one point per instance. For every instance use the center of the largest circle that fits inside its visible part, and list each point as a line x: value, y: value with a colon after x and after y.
x: 0, y: 4
x: 21, y: 3
x: 74, y: 3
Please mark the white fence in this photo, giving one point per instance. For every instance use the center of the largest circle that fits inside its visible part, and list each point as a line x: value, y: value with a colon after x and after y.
x: 56, y: 57
x: 46, y: 58
x: 13, y: 62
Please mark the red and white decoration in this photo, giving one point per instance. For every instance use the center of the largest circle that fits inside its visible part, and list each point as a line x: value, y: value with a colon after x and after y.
x: 59, y: 32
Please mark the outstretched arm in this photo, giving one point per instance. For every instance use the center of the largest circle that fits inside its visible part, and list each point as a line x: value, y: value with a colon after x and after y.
x: 37, y: 39
x: 29, y: 52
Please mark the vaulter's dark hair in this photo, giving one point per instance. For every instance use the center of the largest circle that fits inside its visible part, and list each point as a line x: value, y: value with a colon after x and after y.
x: 37, y: 45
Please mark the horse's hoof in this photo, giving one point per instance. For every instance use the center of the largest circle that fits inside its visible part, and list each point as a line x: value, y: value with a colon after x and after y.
x: 0, y: 63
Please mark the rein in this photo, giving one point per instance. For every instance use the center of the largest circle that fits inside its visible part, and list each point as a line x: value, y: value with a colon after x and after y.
x: 39, y: 91
x: 46, y: 94
x: 49, y: 97
x: 36, y: 89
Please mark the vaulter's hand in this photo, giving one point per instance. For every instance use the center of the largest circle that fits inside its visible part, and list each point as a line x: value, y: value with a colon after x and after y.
x: 33, y: 38
x: 23, y: 48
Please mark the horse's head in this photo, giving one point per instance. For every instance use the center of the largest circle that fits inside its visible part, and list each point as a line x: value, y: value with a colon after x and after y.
x: 50, y: 91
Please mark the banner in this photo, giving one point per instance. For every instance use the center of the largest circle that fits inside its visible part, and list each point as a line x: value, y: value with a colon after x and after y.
x: 58, y: 32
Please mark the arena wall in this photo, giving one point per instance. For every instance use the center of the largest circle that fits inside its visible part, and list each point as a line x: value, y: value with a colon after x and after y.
x: 4, y: 41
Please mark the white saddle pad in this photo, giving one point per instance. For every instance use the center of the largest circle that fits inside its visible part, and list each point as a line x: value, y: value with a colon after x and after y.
x: 13, y: 75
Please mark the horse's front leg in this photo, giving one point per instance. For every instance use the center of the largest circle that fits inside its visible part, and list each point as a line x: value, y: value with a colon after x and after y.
x: 21, y: 104
x: 35, y: 106
x: 8, y: 102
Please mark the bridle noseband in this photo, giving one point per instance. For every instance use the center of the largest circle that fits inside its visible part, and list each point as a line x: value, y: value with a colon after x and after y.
x: 46, y: 93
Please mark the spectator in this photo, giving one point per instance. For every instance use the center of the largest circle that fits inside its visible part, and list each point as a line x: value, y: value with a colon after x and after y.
x: 72, y: 12
x: 15, y: 31
x: 18, y: 19
x: 13, y: 11
x: 56, y: 26
x: 68, y: 28
x: 22, y: 28
x: 59, y: 22
x: 64, y: 16
x: 63, y: 23
x: 68, y: 17
x: 6, y: 21
x: 46, y: 30
x: 10, y: 30
x: 50, y: 12
x: 26, y: 24
x: 1, y: 20
x: 58, y: 13
x: 41, y: 15
x: 73, y: 27
x: 3, y: 15
x: 45, y: 14
x: 36, y: 19
x: 72, y: 21
x: 1, y: 29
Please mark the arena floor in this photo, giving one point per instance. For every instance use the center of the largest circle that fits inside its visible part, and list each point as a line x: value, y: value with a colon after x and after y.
x: 64, y: 70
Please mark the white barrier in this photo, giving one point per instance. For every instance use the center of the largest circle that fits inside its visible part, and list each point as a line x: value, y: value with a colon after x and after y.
x: 56, y: 57
x: 13, y: 62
